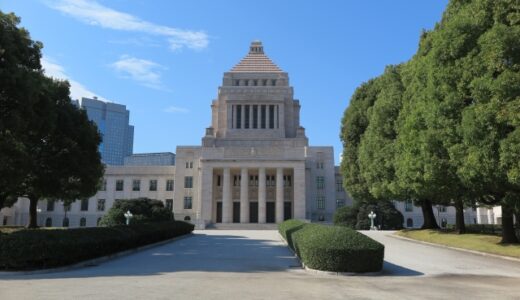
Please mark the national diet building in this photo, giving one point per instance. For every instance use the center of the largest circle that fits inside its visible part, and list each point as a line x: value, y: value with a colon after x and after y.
x: 255, y: 164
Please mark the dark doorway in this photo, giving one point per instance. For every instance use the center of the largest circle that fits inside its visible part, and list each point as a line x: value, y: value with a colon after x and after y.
x: 236, y: 212
x: 219, y: 212
x: 253, y: 212
x: 287, y: 210
x: 270, y: 212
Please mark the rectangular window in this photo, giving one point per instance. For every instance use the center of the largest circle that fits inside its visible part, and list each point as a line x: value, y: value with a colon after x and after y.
x: 271, y: 116
x: 84, y: 204
x: 255, y: 116
x: 169, y: 185
x: 287, y: 181
x: 340, y: 203
x: 408, y: 205
x: 253, y: 180
x: 339, y: 185
x: 236, y: 180
x: 50, y: 205
x: 239, y: 116
x: 188, y: 182
x: 103, y: 185
x: 320, y: 202
x: 442, y: 208
x: 187, y: 202
x: 320, y: 182
x: 218, y: 180
x: 262, y: 116
x: 153, y: 185
x: 101, y: 205
x: 169, y: 204
x: 119, y: 185
x: 246, y: 117
x: 136, y: 185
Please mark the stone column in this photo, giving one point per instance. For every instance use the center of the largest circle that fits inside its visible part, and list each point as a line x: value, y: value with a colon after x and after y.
x: 267, y: 117
x: 251, y: 116
x: 299, y: 201
x: 261, y: 196
x: 227, y: 215
x: 276, y: 116
x: 242, y: 116
x: 205, y: 211
x: 259, y: 115
x: 279, y: 195
x: 244, y: 196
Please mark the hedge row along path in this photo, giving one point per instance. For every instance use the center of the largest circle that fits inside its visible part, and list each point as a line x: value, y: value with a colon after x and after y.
x: 255, y: 264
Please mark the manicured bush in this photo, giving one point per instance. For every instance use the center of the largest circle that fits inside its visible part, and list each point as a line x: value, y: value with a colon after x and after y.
x: 346, y: 216
x: 44, y: 248
x: 288, y: 228
x: 333, y: 248
x: 144, y: 210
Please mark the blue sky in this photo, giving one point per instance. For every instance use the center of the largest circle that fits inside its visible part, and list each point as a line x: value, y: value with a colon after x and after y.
x: 165, y: 59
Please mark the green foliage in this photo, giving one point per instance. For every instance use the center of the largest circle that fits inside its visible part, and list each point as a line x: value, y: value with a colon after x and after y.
x: 48, y: 147
x: 356, y: 217
x: 346, y: 216
x: 337, y: 249
x: 46, y: 248
x: 144, y: 210
x: 288, y: 228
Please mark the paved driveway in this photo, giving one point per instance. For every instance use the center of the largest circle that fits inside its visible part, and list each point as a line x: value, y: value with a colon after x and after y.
x: 254, y: 264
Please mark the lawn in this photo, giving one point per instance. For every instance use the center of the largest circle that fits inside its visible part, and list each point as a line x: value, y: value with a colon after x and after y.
x: 477, y: 242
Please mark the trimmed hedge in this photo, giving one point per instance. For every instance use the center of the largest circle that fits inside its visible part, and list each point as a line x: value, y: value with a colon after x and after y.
x: 45, y: 248
x: 333, y: 248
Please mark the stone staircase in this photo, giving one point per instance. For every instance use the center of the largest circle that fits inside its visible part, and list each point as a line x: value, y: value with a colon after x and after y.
x: 239, y: 226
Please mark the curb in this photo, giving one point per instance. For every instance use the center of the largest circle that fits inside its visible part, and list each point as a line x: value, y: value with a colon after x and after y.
x: 325, y: 273
x: 94, y: 261
x: 455, y: 248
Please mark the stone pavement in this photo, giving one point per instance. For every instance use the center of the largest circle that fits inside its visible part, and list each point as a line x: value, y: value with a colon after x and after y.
x: 254, y: 264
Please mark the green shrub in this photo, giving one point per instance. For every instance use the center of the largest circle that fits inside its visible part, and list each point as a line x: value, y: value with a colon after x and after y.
x: 144, y: 210
x: 44, y: 248
x: 346, y: 216
x: 337, y: 249
x: 288, y: 228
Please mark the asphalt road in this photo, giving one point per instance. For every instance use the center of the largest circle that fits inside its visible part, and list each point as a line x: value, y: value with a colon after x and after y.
x: 254, y: 264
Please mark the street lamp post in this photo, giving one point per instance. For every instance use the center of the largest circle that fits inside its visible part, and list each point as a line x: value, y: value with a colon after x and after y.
x: 128, y: 215
x: 372, y: 216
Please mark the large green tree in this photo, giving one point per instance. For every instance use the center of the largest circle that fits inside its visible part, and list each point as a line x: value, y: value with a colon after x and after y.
x: 56, y: 147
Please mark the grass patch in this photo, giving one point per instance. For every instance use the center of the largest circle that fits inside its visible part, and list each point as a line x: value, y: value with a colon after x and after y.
x: 477, y: 242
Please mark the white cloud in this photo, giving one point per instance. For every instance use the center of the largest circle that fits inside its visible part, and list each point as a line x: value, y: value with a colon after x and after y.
x: 77, y: 90
x: 143, y: 71
x: 176, y: 109
x: 96, y: 14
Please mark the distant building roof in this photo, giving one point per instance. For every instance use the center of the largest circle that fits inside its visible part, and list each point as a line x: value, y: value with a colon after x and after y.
x: 256, y: 61
x: 150, y: 159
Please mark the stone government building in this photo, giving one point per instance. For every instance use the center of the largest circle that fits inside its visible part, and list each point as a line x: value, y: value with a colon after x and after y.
x: 254, y: 165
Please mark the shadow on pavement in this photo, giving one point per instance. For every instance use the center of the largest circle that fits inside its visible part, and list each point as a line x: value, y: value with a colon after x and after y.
x: 199, y: 253
x: 390, y: 269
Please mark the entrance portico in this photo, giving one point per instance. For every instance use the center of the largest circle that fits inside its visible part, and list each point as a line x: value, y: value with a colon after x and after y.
x: 253, y: 192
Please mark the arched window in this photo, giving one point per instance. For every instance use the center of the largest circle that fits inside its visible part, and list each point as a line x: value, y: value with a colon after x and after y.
x: 187, y: 218
x: 65, y: 222
x: 82, y: 222
x: 409, y: 222
x: 48, y: 222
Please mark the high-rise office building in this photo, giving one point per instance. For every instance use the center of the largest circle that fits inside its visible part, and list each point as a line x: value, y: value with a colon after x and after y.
x: 113, y: 123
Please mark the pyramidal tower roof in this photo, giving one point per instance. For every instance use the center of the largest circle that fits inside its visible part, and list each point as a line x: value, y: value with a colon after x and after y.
x: 256, y: 61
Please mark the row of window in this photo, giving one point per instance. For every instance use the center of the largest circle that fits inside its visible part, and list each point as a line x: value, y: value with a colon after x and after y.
x: 270, y: 180
x: 136, y: 185
x: 255, y: 116
x: 254, y: 82
x: 99, y: 207
x: 66, y: 222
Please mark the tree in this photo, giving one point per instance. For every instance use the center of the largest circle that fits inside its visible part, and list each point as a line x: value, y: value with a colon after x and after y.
x: 144, y: 210
x: 56, y: 147
x: 346, y: 216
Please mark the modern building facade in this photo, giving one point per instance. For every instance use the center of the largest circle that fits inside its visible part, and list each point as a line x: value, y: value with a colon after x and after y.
x: 150, y: 159
x: 112, y: 121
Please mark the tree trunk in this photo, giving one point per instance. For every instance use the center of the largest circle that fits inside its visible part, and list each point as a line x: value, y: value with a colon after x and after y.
x: 508, y: 228
x: 33, y: 217
x: 428, y: 216
x: 460, y: 227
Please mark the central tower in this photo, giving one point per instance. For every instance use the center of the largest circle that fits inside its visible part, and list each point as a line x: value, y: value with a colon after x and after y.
x: 255, y: 104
